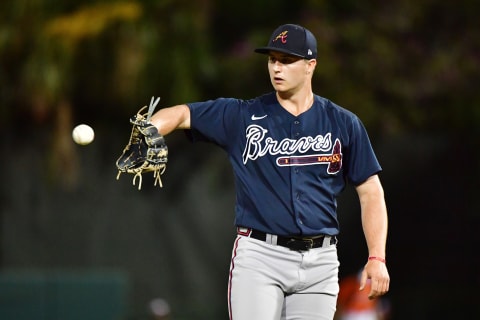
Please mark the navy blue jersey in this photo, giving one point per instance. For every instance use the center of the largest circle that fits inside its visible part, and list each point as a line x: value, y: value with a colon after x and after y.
x: 288, y: 169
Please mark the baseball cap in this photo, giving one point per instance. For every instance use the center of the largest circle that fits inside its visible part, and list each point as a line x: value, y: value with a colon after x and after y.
x: 292, y: 39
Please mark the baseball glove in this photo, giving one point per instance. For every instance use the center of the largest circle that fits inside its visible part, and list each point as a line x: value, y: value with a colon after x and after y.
x: 146, y: 150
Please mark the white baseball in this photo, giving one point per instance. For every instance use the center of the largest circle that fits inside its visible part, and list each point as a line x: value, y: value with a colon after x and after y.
x: 83, y: 134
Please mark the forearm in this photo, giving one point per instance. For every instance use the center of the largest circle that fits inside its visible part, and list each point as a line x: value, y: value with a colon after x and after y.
x: 375, y: 224
x: 374, y: 216
x: 168, y: 119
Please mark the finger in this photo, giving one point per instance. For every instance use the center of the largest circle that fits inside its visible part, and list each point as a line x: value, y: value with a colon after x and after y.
x: 386, y: 286
x: 373, y: 289
x: 363, y: 279
x: 379, y: 288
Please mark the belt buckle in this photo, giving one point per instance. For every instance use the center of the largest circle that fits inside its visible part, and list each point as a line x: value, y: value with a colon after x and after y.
x: 309, y: 244
x: 300, y: 244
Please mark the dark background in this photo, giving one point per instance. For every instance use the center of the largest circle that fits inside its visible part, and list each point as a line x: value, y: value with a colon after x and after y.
x: 410, y: 70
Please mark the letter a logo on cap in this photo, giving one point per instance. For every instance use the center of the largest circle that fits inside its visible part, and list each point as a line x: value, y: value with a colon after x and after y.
x: 282, y: 36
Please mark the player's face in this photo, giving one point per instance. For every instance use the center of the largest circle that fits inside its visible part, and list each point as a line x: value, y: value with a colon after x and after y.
x: 288, y: 73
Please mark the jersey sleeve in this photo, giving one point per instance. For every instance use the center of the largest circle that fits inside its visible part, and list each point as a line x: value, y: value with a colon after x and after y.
x: 362, y: 162
x: 217, y: 121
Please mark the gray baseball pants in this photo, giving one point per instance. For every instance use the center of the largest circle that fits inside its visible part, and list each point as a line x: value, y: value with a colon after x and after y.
x: 271, y: 282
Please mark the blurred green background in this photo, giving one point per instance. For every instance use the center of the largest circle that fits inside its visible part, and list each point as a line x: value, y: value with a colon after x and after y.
x: 409, y: 69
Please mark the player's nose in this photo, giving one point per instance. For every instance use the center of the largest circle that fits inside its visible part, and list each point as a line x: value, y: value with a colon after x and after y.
x: 277, y: 66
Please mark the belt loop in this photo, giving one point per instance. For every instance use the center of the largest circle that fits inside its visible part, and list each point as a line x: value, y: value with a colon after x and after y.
x: 327, y: 241
x: 244, y: 231
x: 271, y: 239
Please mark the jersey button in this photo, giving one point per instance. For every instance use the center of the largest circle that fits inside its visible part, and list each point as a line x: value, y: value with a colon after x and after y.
x: 296, y: 122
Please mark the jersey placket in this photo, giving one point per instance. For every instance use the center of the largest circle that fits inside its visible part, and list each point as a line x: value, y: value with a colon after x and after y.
x: 295, y: 176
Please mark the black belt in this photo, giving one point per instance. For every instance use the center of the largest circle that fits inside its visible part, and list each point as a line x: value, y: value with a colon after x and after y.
x: 293, y: 243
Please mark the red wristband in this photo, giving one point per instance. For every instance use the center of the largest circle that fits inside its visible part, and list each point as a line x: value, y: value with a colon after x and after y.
x: 378, y: 259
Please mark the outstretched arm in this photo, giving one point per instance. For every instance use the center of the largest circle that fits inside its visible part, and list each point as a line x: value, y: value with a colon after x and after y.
x: 375, y: 225
x: 168, y: 119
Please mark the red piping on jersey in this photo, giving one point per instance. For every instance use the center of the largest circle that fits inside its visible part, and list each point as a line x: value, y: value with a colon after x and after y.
x: 230, y: 279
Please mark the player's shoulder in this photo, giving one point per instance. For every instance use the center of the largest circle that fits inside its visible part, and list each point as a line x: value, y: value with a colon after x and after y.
x: 239, y: 102
x: 264, y: 99
x: 256, y: 103
x: 333, y: 108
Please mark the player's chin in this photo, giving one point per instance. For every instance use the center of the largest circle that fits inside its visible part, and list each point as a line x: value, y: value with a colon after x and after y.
x: 279, y: 86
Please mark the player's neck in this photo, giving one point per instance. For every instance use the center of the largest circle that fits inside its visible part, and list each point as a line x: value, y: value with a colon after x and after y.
x: 297, y: 103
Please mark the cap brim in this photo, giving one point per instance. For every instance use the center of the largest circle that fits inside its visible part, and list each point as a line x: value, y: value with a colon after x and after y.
x: 266, y: 50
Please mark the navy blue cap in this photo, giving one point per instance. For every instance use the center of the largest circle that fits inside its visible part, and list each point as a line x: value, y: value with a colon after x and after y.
x: 292, y: 39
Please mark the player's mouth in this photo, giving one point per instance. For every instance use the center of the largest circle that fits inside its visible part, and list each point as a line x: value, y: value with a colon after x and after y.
x: 278, y: 80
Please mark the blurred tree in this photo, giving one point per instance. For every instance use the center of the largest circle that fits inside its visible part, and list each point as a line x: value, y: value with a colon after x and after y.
x: 46, y: 76
x: 396, y: 64
x: 400, y: 65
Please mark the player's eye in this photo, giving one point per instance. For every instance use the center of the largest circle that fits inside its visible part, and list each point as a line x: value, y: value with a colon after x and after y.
x: 283, y: 60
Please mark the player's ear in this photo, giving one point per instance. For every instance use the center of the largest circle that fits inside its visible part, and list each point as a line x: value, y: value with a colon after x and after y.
x: 311, y: 65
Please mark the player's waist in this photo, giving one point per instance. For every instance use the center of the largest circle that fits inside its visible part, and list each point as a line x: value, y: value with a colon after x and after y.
x: 293, y: 243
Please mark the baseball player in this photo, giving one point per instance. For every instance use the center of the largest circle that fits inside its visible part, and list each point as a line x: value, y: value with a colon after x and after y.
x: 292, y: 153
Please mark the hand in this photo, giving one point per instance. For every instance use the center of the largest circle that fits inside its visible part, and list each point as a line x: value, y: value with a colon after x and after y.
x: 377, y: 272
